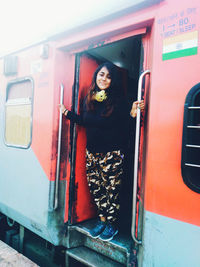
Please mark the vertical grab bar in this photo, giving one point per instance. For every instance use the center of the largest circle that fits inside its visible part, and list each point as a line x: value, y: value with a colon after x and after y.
x: 137, y: 140
x: 55, y: 203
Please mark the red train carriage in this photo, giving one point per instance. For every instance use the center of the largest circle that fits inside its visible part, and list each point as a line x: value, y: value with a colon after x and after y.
x: 42, y: 155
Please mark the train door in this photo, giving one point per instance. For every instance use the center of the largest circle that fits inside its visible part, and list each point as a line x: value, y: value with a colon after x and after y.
x: 130, y: 56
x: 82, y: 206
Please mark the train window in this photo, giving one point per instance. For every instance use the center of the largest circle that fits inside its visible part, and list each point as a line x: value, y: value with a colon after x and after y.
x: 190, y: 164
x: 18, y: 113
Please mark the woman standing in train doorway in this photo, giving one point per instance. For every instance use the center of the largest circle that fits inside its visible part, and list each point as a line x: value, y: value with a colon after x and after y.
x: 106, y: 117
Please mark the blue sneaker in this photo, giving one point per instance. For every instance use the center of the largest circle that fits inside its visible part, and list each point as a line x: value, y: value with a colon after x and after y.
x: 109, y: 232
x: 98, y: 229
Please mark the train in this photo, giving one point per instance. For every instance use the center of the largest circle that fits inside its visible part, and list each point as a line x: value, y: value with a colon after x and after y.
x: 43, y: 186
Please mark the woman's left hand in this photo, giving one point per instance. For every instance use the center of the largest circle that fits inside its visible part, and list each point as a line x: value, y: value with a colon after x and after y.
x: 135, y: 106
x: 63, y: 109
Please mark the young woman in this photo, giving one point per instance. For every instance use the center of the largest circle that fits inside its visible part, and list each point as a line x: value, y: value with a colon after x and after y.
x: 106, y: 117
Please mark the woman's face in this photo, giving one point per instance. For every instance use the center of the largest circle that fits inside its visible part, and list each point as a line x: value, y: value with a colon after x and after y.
x: 103, y: 79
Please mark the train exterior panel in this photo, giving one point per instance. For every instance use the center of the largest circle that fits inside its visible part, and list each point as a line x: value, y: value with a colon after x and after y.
x: 31, y: 178
x: 43, y: 183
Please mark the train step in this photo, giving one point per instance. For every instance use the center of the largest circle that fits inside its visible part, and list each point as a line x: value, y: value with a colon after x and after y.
x: 117, y: 250
x: 91, y: 258
x: 10, y: 257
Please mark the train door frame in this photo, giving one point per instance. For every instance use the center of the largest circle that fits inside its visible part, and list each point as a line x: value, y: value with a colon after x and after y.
x: 73, y: 139
x: 143, y: 66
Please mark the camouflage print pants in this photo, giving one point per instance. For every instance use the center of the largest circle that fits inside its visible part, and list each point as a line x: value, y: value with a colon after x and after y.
x: 104, y: 174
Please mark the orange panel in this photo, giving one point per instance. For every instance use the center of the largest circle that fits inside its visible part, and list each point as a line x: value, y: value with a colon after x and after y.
x: 83, y: 207
x: 166, y: 193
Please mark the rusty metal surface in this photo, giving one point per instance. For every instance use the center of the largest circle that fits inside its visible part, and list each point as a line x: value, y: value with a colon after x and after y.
x: 91, y: 258
x: 10, y: 257
x: 117, y: 249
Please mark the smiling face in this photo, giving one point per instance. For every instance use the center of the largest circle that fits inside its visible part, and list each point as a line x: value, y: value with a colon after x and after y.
x: 103, y: 79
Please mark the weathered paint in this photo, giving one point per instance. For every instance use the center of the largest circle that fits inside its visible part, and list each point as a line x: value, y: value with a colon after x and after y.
x: 83, y: 206
x: 27, y: 175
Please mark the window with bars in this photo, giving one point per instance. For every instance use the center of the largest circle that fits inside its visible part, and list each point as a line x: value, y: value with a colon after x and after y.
x: 190, y: 164
x: 18, y: 113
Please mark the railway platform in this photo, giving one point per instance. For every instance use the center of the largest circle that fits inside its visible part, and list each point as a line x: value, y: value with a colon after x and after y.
x: 10, y: 257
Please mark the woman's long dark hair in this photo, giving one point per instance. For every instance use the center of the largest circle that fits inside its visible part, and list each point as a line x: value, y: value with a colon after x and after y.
x: 114, y: 92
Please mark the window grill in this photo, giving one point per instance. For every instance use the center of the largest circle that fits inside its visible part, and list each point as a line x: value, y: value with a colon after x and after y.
x: 190, y: 163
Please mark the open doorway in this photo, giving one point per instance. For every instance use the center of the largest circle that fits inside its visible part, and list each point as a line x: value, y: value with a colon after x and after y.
x: 126, y: 54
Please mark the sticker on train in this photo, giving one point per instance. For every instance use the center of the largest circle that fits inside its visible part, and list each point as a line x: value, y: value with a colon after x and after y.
x: 180, y: 45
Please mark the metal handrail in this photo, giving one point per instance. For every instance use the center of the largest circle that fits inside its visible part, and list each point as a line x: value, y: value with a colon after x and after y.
x: 192, y: 165
x: 55, y: 203
x: 137, y: 140
x: 193, y: 127
x: 193, y: 146
x: 195, y: 107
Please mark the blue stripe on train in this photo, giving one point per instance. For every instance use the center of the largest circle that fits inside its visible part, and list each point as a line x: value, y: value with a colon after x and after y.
x: 23, y: 183
x: 169, y: 243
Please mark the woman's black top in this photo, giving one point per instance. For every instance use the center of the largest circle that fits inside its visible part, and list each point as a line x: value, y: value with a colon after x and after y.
x: 104, y: 133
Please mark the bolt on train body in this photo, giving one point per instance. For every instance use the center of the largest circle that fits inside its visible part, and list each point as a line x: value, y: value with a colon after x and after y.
x: 43, y: 186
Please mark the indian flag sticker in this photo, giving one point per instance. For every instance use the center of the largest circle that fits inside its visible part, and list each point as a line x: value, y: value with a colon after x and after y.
x: 180, y: 46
